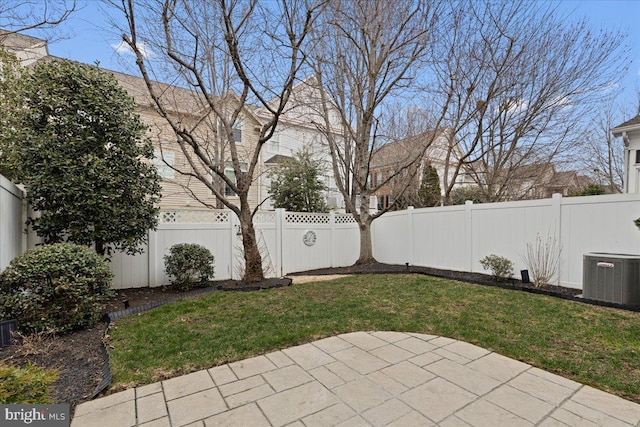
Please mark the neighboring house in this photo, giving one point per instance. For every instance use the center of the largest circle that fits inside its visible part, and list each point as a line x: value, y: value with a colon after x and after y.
x: 180, y: 190
x: 630, y: 133
x: 296, y: 129
x: 541, y: 181
x: 300, y: 127
x: 26, y: 48
x: 390, y: 157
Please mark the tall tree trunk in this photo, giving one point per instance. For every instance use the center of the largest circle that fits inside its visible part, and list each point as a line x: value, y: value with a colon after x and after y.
x: 366, y: 248
x: 364, y: 224
x: 252, y: 260
x: 100, y: 249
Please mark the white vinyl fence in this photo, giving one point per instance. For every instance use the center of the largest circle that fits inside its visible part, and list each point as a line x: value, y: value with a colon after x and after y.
x: 12, y: 236
x: 458, y: 237
x: 331, y: 241
x: 453, y: 238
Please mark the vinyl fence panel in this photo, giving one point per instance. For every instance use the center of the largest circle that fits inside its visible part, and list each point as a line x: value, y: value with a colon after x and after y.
x: 456, y: 238
x: 11, y: 222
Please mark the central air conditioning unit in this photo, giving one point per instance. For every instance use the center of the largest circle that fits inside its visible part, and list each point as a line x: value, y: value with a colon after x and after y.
x: 611, y: 278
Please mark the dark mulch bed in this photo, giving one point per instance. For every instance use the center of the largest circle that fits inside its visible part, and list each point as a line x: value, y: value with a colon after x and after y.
x: 79, y: 356
x: 483, y: 279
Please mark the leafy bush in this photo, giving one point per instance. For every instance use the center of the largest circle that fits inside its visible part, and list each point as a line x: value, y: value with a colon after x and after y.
x: 500, y: 267
x: 57, y: 287
x: 30, y: 384
x: 472, y: 192
x: 190, y: 264
x: 589, y: 190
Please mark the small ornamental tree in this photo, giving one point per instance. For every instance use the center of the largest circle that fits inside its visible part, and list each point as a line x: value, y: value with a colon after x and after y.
x: 295, y: 184
x: 81, y: 152
x: 429, y: 193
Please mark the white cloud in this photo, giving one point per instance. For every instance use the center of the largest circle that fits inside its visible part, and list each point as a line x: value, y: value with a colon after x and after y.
x: 124, y: 49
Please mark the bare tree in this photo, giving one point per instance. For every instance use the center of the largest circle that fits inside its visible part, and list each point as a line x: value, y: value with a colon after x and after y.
x: 605, y: 162
x: 22, y: 15
x: 519, y: 80
x: 367, y: 54
x: 232, y: 55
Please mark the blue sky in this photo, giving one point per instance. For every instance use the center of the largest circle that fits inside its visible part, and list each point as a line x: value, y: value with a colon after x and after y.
x: 88, y: 37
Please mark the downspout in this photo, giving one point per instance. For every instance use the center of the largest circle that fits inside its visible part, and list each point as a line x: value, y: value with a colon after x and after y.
x: 627, y: 159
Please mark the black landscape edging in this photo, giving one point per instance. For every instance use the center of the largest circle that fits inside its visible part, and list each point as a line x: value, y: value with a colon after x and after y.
x: 107, y: 375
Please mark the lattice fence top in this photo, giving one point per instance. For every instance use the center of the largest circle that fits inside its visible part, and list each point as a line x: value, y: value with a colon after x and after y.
x: 345, y: 219
x: 194, y: 216
x: 307, y: 218
x: 264, y: 217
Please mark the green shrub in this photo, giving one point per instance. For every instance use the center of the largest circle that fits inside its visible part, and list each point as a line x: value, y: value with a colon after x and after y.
x: 57, y: 287
x: 500, y: 267
x: 190, y: 264
x: 30, y: 384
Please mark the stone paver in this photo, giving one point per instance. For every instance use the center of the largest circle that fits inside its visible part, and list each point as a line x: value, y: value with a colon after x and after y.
x: 308, y: 356
x: 287, y: 377
x: 363, y: 340
x: 296, y: 403
x: 482, y: 413
x: 151, y: 407
x: 253, y: 366
x: 520, y: 403
x: 187, y: 384
x: 362, y: 394
x: 392, y: 354
x: 222, y: 375
x: 542, y: 389
x: 380, y: 378
x: 473, y: 381
x: 194, y: 407
x: 120, y: 415
x: 360, y: 360
x: 437, y: 399
x: 498, y: 367
x: 331, y: 416
x: 248, y: 415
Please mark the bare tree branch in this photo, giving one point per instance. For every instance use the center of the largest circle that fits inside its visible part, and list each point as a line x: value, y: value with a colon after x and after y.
x: 216, y: 53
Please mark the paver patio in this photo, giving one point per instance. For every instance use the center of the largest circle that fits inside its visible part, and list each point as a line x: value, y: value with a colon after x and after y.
x: 365, y: 379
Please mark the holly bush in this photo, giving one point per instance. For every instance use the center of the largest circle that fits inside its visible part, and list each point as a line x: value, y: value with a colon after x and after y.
x: 58, y: 287
x: 190, y: 264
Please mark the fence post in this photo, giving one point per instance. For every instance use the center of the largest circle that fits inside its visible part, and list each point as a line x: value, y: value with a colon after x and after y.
x: 152, y: 254
x: 468, y: 232
x: 412, y: 241
x: 332, y: 237
x: 280, y: 214
x: 556, y: 205
x: 233, y: 224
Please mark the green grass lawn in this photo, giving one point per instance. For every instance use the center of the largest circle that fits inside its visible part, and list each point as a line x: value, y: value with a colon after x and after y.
x: 593, y: 345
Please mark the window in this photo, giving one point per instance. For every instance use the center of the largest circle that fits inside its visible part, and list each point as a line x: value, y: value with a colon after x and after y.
x: 275, y: 140
x: 232, y: 176
x: 229, y: 172
x: 163, y: 161
x: 383, y: 202
x: 637, y: 157
x: 237, y: 130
